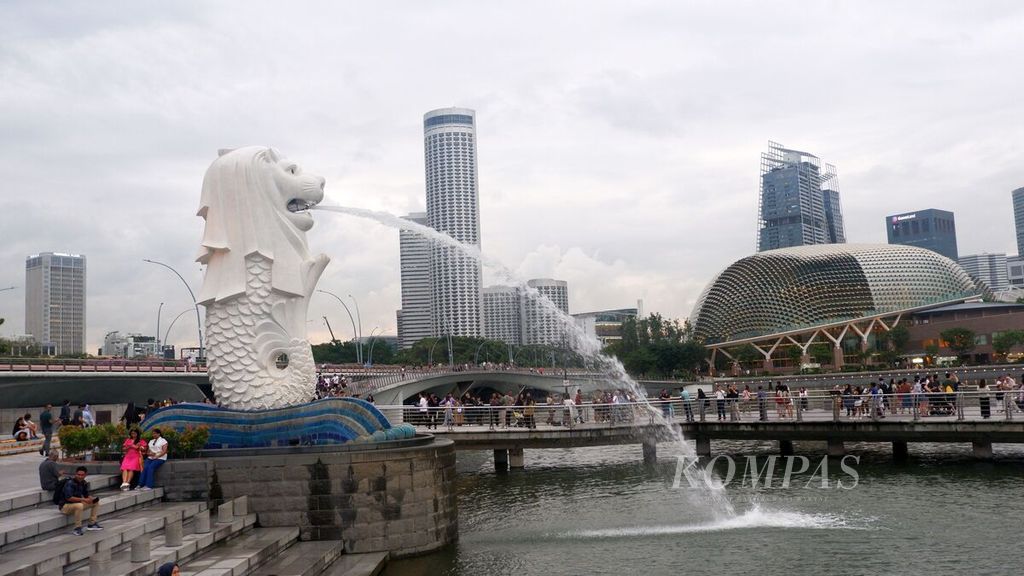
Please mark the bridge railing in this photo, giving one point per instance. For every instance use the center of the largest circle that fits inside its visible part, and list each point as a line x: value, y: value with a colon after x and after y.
x: 965, y: 405
x: 95, y: 365
x: 368, y: 380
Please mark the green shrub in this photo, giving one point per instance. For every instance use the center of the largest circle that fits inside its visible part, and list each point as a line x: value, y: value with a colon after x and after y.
x: 73, y: 440
x: 183, y: 444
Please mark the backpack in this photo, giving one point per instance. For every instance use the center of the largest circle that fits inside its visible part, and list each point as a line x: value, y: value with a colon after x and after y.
x: 58, y: 492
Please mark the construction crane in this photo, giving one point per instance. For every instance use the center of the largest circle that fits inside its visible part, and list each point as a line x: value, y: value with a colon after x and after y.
x: 333, y: 339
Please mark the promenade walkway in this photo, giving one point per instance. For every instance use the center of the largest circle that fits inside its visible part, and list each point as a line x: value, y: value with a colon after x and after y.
x: 969, y: 417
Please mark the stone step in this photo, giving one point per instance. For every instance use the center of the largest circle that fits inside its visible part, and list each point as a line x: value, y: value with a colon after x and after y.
x: 192, y: 545
x: 56, y: 552
x: 369, y: 564
x: 242, y: 555
x: 8, y: 447
x: 34, y: 524
x: 303, y: 559
x: 15, y: 500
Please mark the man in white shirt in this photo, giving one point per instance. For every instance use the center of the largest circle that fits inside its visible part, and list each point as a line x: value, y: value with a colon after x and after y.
x: 424, y: 410
x: 155, y: 458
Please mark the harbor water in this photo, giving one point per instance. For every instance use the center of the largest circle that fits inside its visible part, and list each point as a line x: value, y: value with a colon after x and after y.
x: 602, y: 511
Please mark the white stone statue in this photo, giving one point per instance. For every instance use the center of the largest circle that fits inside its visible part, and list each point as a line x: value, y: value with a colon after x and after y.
x: 259, y: 276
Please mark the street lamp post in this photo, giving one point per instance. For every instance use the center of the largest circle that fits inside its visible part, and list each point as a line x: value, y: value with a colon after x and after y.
x: 355, y: 334
x: 476, y: 357
x: 167, y: 333
x: 373, y: 343
x: 359, y: 319
x: 451, y: 362
x: 199, y: 325
x: 158, y: 311
x: 430, y: 354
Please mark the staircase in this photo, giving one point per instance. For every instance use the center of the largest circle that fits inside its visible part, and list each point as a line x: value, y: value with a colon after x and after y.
x: 141, y: 533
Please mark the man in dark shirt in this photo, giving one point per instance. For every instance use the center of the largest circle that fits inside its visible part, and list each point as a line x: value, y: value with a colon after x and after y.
x: 77, y: 499
x: 46, y: 425
x: 65, y: 413
x: 49, y: 473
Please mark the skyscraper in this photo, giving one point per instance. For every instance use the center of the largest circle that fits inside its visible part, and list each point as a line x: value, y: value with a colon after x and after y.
x: 449, y: 142
x: 989, y: 269
x: 1018, y: 218
x: 541, y: 325
x: 414, y: 255
x: 55, y: 302
x: 932, y: 229
x: 503, y: 314
x: 799, y: 200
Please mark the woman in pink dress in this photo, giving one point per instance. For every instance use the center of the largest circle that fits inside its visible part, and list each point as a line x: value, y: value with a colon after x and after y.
x: 134, y: 447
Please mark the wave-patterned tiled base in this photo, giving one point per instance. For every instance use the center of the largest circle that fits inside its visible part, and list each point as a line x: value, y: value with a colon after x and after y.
x: 327, y: 421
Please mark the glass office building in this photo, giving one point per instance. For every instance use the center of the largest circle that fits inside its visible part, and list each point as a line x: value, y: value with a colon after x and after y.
x: 799, y: 201
x: 932, y: 229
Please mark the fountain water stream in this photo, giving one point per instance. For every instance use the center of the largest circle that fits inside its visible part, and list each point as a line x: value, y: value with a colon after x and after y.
x: 709, y: 492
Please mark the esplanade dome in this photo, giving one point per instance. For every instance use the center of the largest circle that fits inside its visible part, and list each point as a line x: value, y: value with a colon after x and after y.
x: 806, y: 286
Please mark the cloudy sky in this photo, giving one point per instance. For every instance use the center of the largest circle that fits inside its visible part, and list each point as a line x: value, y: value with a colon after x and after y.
x: 619, y: 142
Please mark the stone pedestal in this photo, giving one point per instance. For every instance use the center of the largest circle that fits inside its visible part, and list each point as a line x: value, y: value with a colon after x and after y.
x: 173, y: 534
x: 99, y: 562
x: 397, y: 497
x: 140, y: 548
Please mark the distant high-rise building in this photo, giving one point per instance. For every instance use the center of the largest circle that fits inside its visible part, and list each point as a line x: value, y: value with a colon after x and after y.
x: 541, y: 325
x: 932, y: 229
x: 833, y: 215
x: 414, y: 322
x: 989, y: 269
x: 449, y: 141
x: 1018, y: 218
x: 129, y: 345
x: 605, y: 325
x: 1015, y: 271
x: 799, y: 200
x: 55, y: 302
x: 503, y: 314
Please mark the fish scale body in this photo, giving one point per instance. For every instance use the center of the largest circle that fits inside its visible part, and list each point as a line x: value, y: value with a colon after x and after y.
x: 244, y: 339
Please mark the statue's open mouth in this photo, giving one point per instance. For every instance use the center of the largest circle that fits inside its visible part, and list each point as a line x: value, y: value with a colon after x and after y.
x: 299, y: 205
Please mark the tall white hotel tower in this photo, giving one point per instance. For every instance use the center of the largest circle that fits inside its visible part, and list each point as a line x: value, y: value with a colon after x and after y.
x: 453, y: 207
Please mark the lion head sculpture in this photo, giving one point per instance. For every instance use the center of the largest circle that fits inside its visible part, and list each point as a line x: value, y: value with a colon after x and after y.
x: 255, y: 201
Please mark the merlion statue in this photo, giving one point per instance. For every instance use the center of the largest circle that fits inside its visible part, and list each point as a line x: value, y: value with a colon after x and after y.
x: 259, y: 277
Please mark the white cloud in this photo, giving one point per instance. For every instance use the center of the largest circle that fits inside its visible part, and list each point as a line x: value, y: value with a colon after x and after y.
x: 619, y: 144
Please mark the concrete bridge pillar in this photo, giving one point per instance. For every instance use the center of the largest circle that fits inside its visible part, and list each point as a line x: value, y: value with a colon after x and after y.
x: 900, y: 453
x: 786, y: 447
x: 703, y: 446
x: 836, y: 448
x: 982, y: 449
x: 768, y: 366
x: 515, y: 459
x: 650, y: 451
x: 501, y: 460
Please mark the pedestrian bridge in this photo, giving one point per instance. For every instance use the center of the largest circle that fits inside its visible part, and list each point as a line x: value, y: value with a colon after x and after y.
x: 508, y: 431
x: 396, y: 386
